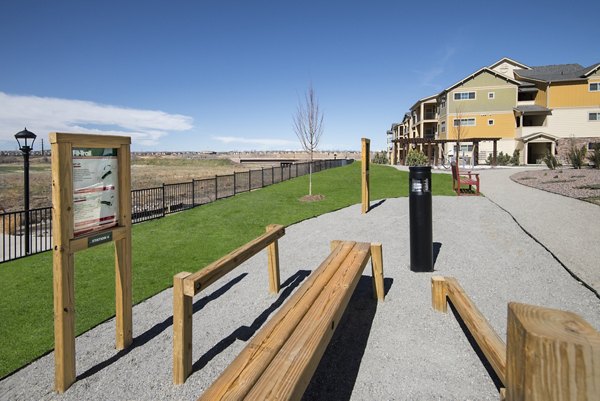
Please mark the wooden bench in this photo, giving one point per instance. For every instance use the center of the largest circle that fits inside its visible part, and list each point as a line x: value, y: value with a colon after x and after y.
x: 459, y: 180
x: 186, y: 285
x: 278, y: 363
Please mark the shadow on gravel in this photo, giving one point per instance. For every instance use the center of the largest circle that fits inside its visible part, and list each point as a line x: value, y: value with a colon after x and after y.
x: 437, y: 246
x: 244, y: 333
x: 158, y: 328
x: 478, y: 351
x: 336, y: 374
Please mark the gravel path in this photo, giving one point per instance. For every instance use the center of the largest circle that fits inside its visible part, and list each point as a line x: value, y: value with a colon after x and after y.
x: 579, y: 184
x: 397, y: 350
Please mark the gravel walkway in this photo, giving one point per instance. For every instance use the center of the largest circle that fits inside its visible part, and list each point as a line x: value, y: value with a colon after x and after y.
x: 397, y: 350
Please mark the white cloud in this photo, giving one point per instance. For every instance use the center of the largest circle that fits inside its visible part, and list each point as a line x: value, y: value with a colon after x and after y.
x: 263, y: 143
x: 428, y: 76
x: 44, y: 115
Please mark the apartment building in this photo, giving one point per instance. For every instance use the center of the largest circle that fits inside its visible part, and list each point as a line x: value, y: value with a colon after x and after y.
x: 506, y: 106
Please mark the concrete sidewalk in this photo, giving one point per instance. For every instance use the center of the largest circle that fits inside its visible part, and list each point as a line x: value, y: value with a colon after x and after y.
x: 567, y: 227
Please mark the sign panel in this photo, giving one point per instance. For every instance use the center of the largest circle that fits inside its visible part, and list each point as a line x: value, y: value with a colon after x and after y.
x: 95, y: 191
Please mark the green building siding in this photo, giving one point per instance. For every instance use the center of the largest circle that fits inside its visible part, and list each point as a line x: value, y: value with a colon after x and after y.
x: 505, y: 95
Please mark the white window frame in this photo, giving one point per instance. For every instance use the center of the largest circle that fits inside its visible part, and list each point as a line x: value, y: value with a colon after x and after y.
x: 596, y: 115
x: 597, y: 84
x: 460, y: 95
x: 443, y: 127
x: 461, y: 120
x: 491, y: 95
x: 491, y: 122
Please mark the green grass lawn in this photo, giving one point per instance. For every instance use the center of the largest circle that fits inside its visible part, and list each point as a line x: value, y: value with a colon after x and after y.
x: 185, y: 241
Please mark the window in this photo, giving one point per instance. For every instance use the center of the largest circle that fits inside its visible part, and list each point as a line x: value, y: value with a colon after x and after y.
x: 490, y: 122
x: 594, y: 116
x: 491, y: 95
x: 595, y: 87
x: 443, y: 126
x: 464, y: 96
x: 592, y: 144
x: 464, y: 122
x: 466, y: 148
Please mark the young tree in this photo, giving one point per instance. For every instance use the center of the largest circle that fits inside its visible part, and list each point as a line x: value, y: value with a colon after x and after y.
x: 308, y: 126
x: 461, y: 131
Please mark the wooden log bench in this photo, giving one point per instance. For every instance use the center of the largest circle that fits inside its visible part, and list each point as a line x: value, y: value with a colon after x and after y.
x: 186, y: 285
x: 278, y: 363
x: 549, y: 354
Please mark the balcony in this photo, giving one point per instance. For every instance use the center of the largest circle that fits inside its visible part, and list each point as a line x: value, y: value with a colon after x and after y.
x: 525, y: 131
x: 430, y: 115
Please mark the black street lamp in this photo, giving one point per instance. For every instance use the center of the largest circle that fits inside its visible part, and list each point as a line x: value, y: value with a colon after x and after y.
x: 23, y: 139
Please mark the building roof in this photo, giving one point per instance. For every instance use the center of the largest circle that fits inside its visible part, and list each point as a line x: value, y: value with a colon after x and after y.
x: 557, y: 73
x: 510, y: 61
x: 532, y: 109
x: 481, y: 71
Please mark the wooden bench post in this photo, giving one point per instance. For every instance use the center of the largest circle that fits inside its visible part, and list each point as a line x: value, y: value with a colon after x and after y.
x: 182, y: 330
x: 377, y: 271
x: 552, y: 355
x: 273, y: 256
x: 438, y: 294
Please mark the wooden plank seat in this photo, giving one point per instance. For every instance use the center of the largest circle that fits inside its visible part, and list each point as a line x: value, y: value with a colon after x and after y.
x: 278, y: 363
x: 459, y: 180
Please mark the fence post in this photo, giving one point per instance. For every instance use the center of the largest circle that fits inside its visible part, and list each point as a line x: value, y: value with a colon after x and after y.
x: 216, y: 187
x: 262, y: 177
x: 551, y: 355
x: 163, y: 200
x: 193, y: 194
x: 234, y: 183
x: 249, y: 180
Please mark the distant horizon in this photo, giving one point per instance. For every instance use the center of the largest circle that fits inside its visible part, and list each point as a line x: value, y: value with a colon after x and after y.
x: 212, y: 76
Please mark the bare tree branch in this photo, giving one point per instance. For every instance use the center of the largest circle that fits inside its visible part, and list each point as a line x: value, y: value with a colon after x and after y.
x: 308, y: 126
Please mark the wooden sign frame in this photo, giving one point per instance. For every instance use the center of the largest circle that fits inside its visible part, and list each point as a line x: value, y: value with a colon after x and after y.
x: 366, y: 158
x: 66, y: 244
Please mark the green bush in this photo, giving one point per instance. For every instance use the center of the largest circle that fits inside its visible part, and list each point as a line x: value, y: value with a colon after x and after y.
x: 501, y: 159
x: 514, y: 160
x: 595, y: 156
x: 577, y: 155
x: 380, y: 157
x: 551, y: 161
x: 416, y: 158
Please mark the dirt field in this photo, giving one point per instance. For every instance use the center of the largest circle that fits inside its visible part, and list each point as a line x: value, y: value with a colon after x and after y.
x: 146, y: 172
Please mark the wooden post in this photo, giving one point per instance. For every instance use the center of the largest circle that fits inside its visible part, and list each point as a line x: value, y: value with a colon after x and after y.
x: 182, y: 330
x: 377, y: 271
x: 123, y: 282
x: 494, y: 151
x: 366, y: 153
x: 273, y: 257
x: 438, y: 294
x: 552, y: 355
x: 63, y: 267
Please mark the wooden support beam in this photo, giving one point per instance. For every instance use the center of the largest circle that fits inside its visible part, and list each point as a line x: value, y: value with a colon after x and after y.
x: 182, y: 330
x: 552, y: 355
x: 273, y: 261
x: 365, y: 190
x: 377, y: 271
x: 438, y: 294
x: 488, y: 341
x: 211, y: 273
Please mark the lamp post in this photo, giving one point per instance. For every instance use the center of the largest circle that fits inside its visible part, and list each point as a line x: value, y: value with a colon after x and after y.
x: 23, y: 139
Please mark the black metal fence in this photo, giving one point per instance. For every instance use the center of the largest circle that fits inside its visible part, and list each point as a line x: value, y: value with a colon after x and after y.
x: 153, y: 203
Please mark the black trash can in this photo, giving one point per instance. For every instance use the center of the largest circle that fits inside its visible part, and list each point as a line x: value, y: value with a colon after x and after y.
x: 421, y: 237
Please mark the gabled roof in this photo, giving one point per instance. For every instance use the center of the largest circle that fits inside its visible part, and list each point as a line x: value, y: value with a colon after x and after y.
x: 425, y: 99
x: 591, y: 69
x: 557, y: 73
x: 510, y: 61
x: 481, y: 71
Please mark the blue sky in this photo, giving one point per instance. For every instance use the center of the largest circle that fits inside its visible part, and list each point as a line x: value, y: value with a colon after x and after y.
x: 227, y: 75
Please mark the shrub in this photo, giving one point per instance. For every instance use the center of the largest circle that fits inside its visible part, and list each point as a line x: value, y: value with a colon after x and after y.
x: 550, y: 161
x: 416, y: 158
x: 501, y: 159
x: 595, y: 156
x: 514, y: 160
x: 576, y: 156
x: 380, y: 157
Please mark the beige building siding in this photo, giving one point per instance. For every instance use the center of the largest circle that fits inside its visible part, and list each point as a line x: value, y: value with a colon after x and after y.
x: 573, y: 122
x: 572, y: 95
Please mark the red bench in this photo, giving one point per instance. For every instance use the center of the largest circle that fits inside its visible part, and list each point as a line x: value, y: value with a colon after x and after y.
x: 463, y: 180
